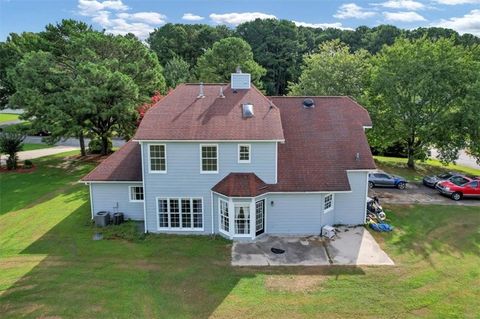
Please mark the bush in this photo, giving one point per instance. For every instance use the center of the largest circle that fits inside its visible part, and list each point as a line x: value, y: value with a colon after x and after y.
x: 95, y: 146
x: 11, y: 143
x: 127, y: 231
x: 27, y: 164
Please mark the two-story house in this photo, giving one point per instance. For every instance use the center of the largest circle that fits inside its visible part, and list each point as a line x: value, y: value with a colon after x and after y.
x: 225, y: 159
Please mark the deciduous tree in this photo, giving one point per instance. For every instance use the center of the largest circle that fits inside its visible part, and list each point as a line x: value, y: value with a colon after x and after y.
x: 219, y: 62
x: 333, y: 71
x: 417, y: 91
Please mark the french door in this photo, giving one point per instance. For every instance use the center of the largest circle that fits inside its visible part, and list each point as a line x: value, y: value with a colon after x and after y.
x: 259, y: 217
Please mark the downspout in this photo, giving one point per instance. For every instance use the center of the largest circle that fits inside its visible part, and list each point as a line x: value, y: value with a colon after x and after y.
x: 144, y: 191
x: 211, y: 209
x: 91, y: 198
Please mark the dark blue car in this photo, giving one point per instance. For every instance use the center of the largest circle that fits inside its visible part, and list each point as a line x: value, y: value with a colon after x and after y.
x: 382, y: 179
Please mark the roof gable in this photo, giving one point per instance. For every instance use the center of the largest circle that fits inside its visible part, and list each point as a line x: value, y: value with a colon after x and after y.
x: 181, y: 115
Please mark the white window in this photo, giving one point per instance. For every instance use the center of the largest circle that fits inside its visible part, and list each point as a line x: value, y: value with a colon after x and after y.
x: 327, y: 203
x: 136, y: 193
x: 242, y: 220
x: 224, y: 216
x: 244, y: 153
x: 158, y: 159
x: 209, y: 158
x: 180, y: 213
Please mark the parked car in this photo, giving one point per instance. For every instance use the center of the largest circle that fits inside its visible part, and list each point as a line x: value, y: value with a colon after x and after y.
x: 382, y: 179
x: 459, y: 187
x: 431, y: 181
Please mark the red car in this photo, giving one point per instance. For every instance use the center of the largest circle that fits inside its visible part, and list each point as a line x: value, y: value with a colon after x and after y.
x: 462, y: 186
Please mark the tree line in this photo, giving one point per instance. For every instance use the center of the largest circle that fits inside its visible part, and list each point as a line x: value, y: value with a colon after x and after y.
x: 420, y: 86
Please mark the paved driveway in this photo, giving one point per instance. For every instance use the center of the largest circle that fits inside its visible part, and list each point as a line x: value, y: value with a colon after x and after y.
x: 351, y: 246
x: 417, y: 193
x: 24, y: 155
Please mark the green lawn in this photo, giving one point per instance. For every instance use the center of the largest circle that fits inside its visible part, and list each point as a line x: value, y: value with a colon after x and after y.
x: 50, y: 267
x: 31, y: 147
x: 7, y: 117
x: 398, y: 166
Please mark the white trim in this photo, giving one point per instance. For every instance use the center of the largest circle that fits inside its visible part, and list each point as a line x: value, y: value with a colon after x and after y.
x: 218, y: 159
x: 365, y: 200
x: 231, y: 224
x: 144, y: 191
x: 276, y: 163
x: 180, y: 229
x: 362, y: 170
x: 332, y: 203
x: 111, y: 182
x: 264, y: 199
x: 130, y: 194
x: 149, y: 163
x: 91, y: 199
x: 287, y: 193
x: 206, y: 141
x: 239, y: 161
x: 220, y: 217
x: 211, y: 211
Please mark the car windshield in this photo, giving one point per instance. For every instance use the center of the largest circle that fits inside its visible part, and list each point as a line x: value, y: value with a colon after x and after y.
x: 459, y: 181
x: 445, y: 175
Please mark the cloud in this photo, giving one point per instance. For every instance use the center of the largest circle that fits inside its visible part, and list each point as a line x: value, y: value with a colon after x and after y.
x: 335, y: 25
x: 469, y: 23
x: 456, y: 2
x: 112, y: 16
x: 402, y: 4
x: 90, y: 7
x: 192, y: 17
x: 145, y: 17
x: 404, y: 16
x: 351, y: 10
x: 235, y: 18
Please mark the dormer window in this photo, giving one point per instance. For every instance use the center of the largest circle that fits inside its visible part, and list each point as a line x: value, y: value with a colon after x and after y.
x: 244, y: 153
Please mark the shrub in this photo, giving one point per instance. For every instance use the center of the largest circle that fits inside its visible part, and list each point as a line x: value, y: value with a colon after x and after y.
x: 27, y: 164
x: 95, y: 146
x: 11, y: 143
x: 127, y: 231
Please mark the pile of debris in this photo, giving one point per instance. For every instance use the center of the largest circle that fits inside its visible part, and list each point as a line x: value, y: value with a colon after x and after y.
x: 376, y: 216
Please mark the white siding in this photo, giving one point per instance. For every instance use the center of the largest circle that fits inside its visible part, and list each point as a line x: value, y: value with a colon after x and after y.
x: 183, y: 177
x: 350, y: 207
x: 106, y: 196
x: 294, y: 214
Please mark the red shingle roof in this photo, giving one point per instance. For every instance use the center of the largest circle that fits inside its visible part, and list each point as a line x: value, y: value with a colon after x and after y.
x: 321, y: 143
x: 123, y: 165
x: 241, y: 185
x: 182, y: 116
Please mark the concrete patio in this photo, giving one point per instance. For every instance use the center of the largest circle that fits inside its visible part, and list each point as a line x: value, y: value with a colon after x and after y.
x: 351, y: 246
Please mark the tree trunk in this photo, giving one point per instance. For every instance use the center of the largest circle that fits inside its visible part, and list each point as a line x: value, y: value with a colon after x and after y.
x: 81, y: 139
x: 411, y: 155
x: 105, y: 145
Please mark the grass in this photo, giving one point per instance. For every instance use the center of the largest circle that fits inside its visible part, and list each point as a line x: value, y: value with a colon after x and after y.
x: 32, y: 147
x: 7, y: 117
x: 50, y: 267
x: 53, y: 174
x: 398, y: 166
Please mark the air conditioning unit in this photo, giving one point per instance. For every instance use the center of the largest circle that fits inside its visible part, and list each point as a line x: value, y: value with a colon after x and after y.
x: 328, y: 231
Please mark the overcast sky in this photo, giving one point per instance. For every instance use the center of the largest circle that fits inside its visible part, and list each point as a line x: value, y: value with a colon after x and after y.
x: 142, y: 17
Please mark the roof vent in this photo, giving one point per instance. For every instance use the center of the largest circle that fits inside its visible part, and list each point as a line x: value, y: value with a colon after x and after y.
x: 308, y: 104
x: 247, y: 110
x: 221, y: 95
x: 239, y: 80
x: 357, y: 156
x: 201, y: 94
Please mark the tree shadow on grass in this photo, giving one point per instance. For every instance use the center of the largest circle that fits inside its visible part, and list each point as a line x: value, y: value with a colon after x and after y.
x: 162, y: 276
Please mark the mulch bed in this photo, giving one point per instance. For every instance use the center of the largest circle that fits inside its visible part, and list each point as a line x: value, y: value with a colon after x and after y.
x: 19, y: 170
